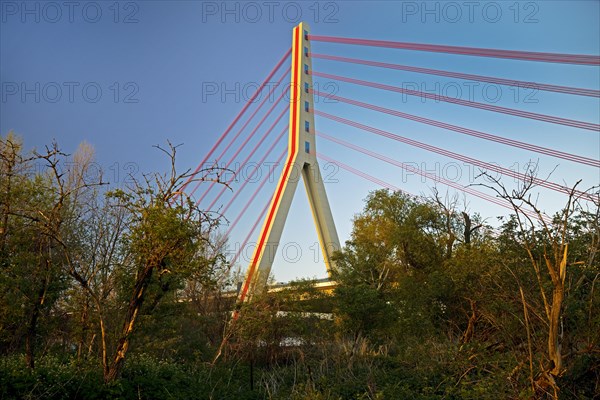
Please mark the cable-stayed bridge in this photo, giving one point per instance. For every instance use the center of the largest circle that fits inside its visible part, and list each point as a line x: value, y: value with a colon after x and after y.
x: 296, y: 104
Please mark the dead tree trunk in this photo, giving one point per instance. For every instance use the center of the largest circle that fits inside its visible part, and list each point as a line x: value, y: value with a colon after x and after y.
x: 558, y: 275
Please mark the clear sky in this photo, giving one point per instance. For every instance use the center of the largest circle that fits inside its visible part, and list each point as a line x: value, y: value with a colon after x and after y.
x: 126, y: 75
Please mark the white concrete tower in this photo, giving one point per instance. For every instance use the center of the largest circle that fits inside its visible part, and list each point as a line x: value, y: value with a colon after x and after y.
x: 301, y: 162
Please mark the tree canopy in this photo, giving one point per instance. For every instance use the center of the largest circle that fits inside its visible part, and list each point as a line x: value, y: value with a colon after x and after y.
x: 125, y: 292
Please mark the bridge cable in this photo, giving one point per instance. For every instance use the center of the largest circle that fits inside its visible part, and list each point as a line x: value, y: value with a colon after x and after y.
x: 419, y: 171
x: 460, y: 157
x: 258, y: 189
x: 482, y: 135
x: 474, y: 104
x: 582, y: 59
x: 258, y: 165
x: 236, y: 119
x: 245, y: 161
x: 241, y: 147
x: 472, y: 77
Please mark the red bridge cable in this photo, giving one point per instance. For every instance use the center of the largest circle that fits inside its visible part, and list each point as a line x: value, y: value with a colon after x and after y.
x: 489, y: 107
x: 456, y: 156
x: 239, y: 115
x: 482, y: 135
x: 419, y: 171
x: 268, y: 96
x: 243, y: 245
x: 361, y: 174
x: 480, y: 78
x: 249, y: 202
x: 392, y: 187
x: 258, y: 165
x: 241, y: 147
x: 245, y: 161
x: 581, y: 59
x: 260, y: 217
x: 236, y: 312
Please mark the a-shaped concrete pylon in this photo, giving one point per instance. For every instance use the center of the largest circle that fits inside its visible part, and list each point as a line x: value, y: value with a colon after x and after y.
x: 301, y: 162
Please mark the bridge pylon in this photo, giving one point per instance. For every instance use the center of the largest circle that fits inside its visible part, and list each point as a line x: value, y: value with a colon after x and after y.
x: 302, y: 163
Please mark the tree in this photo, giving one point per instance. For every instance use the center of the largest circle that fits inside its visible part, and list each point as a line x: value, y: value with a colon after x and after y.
x: 395, y: 242
x: 167, y: 238
x: 545, y: 241
x: 122, y: 250
x: 37, y: 209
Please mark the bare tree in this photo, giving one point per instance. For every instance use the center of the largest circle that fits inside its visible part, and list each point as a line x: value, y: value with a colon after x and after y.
x: 45, y: 206
x: 540, y: 233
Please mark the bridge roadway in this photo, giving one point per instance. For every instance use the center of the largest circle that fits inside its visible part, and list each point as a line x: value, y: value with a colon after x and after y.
x: 320, y: 310
x: 322, y: 285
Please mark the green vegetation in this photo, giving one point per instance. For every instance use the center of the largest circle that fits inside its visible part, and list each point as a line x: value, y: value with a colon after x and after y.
x: 122, y: 294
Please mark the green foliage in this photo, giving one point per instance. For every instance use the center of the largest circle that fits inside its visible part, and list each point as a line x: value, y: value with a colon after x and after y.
x: 430, y: 302
x: 363, y: 310
x: 400, y: 288
x: 280, y: 326
x: 143, y: 377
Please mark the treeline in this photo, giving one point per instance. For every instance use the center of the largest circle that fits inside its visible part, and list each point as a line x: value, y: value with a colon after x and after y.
x: 125, y: 293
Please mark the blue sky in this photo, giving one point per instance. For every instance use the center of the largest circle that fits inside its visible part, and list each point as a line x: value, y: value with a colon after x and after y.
x: 125, y: 76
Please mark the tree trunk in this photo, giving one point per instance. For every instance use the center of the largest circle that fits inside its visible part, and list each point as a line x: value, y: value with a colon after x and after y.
x: 30, y: 337
x: 84, y: 328
x: 135, y: 304
x: 471, y: 325
x: 554, y: 346
x: 6, y: 205
x: 467, y: 232
x: 33, y: 321
x: 252, y: 373
x: 558, y: 273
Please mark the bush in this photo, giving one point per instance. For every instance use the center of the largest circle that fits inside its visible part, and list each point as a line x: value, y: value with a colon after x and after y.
x: 53, y: 378
x: 143, y: 377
